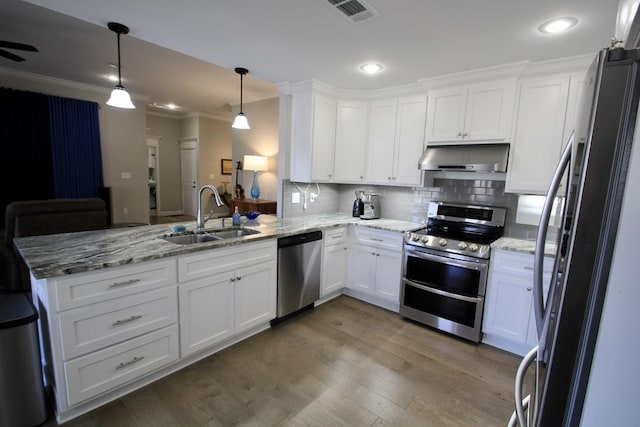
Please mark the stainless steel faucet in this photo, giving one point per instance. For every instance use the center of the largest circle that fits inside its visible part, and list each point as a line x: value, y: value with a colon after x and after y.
x: 201, y: 219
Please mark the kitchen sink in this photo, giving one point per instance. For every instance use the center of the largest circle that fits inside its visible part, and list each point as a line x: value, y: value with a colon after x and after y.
x: 191, y: 237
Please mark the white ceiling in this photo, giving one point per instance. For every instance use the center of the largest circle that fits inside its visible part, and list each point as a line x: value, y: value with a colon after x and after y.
x: 172, y: 45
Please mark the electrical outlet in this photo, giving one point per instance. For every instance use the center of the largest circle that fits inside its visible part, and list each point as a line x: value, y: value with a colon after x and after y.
x: 125, y: 211
x: 313, y: 197
x: 295, y: 198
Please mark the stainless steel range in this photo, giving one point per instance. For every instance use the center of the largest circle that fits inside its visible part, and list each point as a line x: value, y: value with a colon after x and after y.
x: 445, y: 267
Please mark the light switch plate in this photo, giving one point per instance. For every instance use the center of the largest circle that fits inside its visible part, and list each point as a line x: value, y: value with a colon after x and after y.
x: 125, y: 175
x: 295, y: 198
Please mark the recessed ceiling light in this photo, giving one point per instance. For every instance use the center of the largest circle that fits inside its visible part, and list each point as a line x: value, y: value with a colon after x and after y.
x: 558, y: 25
x: 371, y: 68
x: 169, y: 106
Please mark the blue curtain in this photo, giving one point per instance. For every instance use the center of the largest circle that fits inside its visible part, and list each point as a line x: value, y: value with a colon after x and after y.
x: 75, y: 147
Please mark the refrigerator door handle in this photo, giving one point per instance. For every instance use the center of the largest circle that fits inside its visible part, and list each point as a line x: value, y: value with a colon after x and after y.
x: 538, y: 260
x: 526, y: 412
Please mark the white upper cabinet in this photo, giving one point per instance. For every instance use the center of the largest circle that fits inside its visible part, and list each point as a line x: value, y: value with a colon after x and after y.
x: 479, y: 112
x: 328, y: 136
x: 351, y: 142
x: 546, y: 116
x: 313, y: 130
x: 396, y: 140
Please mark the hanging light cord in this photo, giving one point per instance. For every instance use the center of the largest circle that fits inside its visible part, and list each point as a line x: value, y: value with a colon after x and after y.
x: 241, y: 77
x: 119, y: 78
x: 304, y: 193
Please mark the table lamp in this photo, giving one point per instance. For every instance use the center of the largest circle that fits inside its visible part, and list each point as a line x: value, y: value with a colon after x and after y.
x: 256, y: 164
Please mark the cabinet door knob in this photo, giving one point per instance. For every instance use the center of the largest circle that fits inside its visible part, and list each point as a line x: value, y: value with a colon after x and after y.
x: 464, y: 135
x: 460, y: 134
x: 238, y: 278
x: 529, y: 288
x: 233, y: 279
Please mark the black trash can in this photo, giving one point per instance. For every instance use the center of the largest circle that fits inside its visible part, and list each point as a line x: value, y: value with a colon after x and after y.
x: 22, y: 398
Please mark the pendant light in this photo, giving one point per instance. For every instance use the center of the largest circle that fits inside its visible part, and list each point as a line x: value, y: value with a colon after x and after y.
x: 241, y: 121
x: 119, y: 96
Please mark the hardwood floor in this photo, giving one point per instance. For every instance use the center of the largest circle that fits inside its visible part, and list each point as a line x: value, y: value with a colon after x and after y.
x: 345, y: 363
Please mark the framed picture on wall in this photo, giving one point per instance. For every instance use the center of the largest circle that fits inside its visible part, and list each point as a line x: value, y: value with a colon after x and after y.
x: 226, y: 166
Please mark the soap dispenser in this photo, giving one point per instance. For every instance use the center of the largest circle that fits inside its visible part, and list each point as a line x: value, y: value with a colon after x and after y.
x: 235, y: 218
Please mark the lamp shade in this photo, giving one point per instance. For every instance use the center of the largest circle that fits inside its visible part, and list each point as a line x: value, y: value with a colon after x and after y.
x: 255, y: 163
x: 241, y: 122
x: 120, y: 98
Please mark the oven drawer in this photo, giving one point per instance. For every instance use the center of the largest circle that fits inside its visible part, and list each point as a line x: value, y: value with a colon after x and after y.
x: 456, y: 314
x: 98, y: 372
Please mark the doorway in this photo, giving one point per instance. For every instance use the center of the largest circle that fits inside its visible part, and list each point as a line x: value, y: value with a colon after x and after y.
x: 153, y: 163
x: 189, y: 173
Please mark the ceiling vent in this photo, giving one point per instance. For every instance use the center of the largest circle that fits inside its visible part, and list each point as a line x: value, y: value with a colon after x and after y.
x: 355, y: 10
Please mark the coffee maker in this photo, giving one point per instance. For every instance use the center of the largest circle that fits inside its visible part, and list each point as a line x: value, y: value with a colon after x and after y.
x: 371, y: 206
x: 358, y: 204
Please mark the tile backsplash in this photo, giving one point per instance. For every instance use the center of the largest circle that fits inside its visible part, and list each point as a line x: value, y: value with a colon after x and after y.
x: 409, y: 204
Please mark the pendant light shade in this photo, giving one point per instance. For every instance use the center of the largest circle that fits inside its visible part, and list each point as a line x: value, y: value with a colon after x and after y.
x: 241, y: 121
x: 119, y: 96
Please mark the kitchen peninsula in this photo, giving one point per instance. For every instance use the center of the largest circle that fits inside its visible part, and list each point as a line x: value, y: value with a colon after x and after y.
x: 121, y: 308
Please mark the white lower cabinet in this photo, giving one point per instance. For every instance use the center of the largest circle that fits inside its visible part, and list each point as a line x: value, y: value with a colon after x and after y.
x: 109, y: 332
x: 509, y: 321
x: 334, y: 261
x: 236, y: 296
x: 376, y: 267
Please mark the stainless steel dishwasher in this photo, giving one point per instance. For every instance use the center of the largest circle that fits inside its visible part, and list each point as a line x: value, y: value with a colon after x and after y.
x: 299, y: 261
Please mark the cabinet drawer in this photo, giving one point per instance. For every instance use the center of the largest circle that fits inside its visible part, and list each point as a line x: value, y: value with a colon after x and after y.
x: 98, y: 372
x: 335, y: 236
x: 227, y: 259
x: 91, y: 328
x: 517, y: 262
x: 379, y: 238
x: 89, y: 288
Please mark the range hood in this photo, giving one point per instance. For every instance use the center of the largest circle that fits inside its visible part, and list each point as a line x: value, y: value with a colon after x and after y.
x: 465, y: 158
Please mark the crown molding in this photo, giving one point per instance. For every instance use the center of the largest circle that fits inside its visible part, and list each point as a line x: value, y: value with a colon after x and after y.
x: 497, y: 72
x: 40, y: 78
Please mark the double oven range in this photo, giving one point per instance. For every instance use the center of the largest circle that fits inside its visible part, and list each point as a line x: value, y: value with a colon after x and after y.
x: 446, y: 265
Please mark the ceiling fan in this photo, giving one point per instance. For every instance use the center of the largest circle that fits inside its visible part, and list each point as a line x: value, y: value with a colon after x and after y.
x: 17, y: 46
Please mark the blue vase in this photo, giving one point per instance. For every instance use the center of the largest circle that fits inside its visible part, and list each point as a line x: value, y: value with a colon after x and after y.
x: 255, y: 188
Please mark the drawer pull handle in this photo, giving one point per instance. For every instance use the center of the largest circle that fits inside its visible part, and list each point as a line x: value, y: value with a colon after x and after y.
x: 122, y: 321
x: 128, y: 282
x: 130, y: 362
x: 339, y: 236
x: 377, y: 240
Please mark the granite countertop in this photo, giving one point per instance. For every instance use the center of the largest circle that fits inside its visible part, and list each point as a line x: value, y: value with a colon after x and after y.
x: 522, y: 245
x: 61, y: 254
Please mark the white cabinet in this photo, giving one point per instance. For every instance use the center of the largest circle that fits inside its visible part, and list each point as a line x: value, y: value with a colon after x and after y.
x: 328, y: 136
x: 480, y: 112
x: 351, y: 142
x: 107, y: 328
x: 375, y: 270
x: 508, y: 315
x: 313, y: 130
x: 334, y: 261
x: 225, y: 292
x: 396, y: 140
x: 546, y: 116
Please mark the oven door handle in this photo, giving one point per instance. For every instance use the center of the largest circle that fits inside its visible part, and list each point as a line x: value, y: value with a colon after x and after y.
x: 443, y: 293
x: 479, y: 265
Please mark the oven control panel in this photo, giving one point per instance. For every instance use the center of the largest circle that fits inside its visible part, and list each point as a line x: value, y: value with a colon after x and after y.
x: 447, y: 245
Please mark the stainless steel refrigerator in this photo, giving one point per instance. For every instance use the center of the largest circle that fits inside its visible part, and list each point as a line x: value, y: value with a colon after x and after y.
x: 592, y: 175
